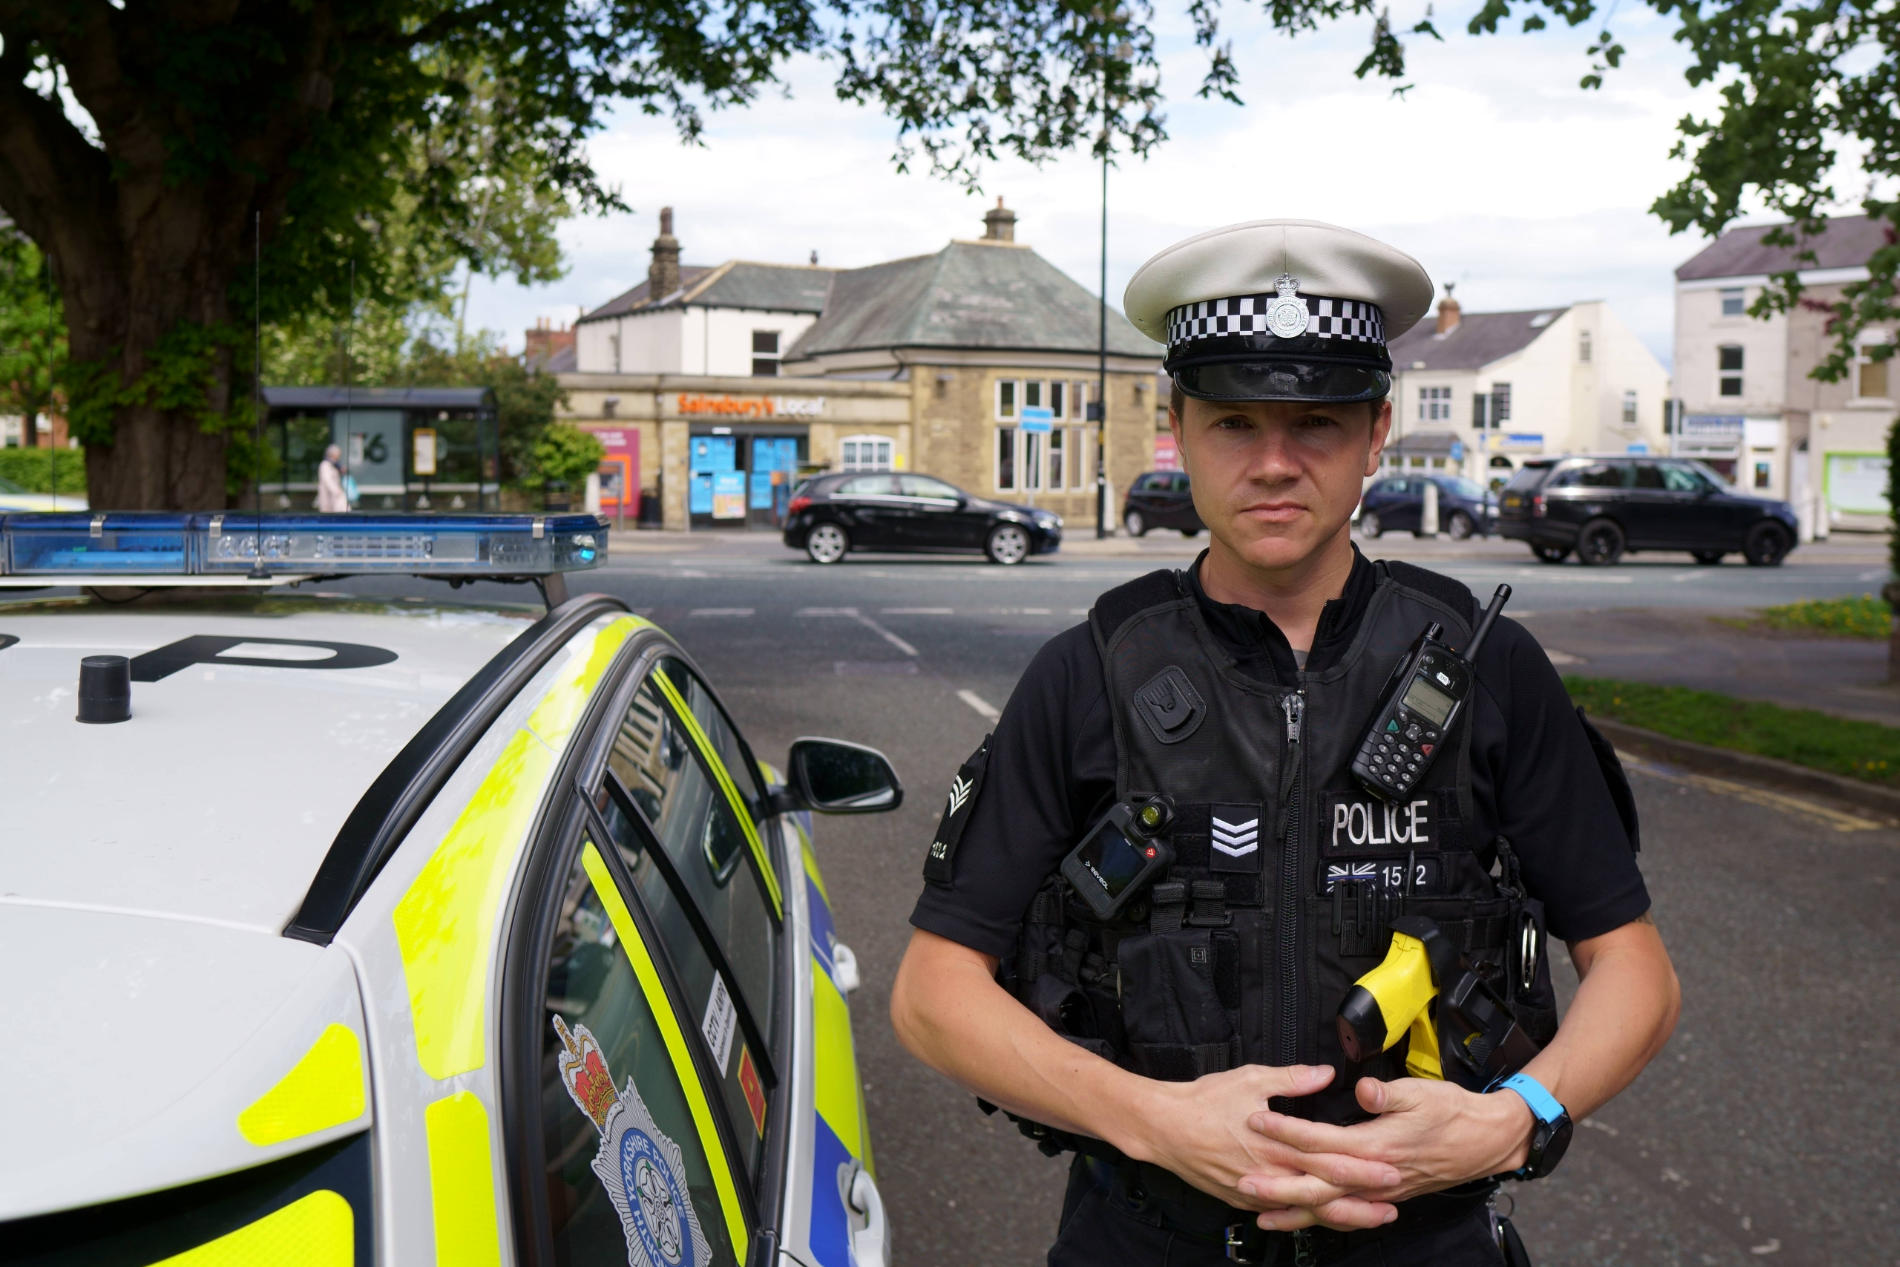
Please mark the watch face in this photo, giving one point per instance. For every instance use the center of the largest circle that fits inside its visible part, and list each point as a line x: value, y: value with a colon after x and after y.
x: 1548, y: 1143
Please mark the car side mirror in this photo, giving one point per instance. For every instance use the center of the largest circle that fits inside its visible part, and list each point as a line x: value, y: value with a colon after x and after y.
x: 832, y: 776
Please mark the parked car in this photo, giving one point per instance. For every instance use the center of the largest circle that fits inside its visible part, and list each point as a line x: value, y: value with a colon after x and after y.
x: 407, y: 932
x: 1397, y: 504
x: 1605, y: 507
x: 1160, y: 499
x: 831, y: 515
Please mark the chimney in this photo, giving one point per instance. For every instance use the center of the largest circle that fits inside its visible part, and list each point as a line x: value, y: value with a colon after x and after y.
x: 1448, y: 317
x: 663, y: 275
x: 999, y: 225
x: 544, y: 341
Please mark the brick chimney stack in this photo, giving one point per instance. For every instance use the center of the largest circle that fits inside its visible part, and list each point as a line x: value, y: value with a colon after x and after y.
x: 542, y: 342
x: 663, y: 275
x: 1448, y: 312
x: 999, y: 224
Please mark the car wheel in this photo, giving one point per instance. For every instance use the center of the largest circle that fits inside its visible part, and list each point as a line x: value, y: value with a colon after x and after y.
x: 1369, y: 524
x: 1190, y: 532
x: 1600, y: 543
x: 827, y: 543
x: 1551, y: 554
x: 1766, y: 546
x: 1136, y: 525
x: 1008, y: 544
x: 1459, y: 525
x: 1708, y: 558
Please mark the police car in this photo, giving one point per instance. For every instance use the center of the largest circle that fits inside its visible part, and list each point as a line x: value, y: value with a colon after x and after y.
x: 341, y: 931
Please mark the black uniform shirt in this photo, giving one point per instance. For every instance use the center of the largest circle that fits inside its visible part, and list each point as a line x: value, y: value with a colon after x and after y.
x: 1051, y: 774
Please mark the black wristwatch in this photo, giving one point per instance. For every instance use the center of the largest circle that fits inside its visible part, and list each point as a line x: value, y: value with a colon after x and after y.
x: 1550, y: 1136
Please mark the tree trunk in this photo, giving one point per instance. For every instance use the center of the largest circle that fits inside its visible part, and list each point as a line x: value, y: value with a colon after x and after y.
x: 1892, y: 594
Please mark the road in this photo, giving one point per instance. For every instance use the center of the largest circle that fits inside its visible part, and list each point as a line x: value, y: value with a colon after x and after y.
x: 1765, y: 1133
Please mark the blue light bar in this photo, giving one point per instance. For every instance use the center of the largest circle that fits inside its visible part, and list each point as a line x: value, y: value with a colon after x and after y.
x: 221, y: 545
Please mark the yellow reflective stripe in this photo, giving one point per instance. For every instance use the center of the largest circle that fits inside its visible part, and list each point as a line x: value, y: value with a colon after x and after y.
x: 317, y: 1230
x: 835, y: 1080
x: 811, y: 864
x: 322, y: 1090
x: 554, y: 717
x: 445, y: 922
x: 462, y: 1182
x: 675, y: 1039
x: 718, y: 767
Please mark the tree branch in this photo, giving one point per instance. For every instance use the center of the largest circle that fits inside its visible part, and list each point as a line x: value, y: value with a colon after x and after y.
x: 53, y: 182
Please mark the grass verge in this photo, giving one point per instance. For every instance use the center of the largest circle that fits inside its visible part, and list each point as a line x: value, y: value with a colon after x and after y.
x: 1860, y: 750
x: 1867, y: 616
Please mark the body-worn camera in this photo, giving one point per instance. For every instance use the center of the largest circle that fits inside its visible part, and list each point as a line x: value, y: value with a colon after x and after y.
x: 1120, y: 856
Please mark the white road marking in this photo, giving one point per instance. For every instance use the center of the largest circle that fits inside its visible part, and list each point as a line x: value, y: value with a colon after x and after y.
x: 917, y: 611
x: 720, y: 611
x: 983, y: 707
x: 826, y: 611
x: 1879, y: 574
x: 1563, y: 657
x: 885, y: 634
x: 1035, y: 611
x: 1680, y: 577
x: 692, y: 573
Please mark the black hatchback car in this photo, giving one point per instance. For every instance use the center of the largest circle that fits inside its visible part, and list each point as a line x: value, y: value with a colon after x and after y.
x: 832, y: 515
x: 1397, y: 504
x: 1604, y: 507
x: 1160, y: 499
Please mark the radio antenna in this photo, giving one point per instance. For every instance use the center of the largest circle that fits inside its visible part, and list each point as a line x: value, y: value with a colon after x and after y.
x: 257, y: 388
x: 349, y: 355
x: 1486, y: 621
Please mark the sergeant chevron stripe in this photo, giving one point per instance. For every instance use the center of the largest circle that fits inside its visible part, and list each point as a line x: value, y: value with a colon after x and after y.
x: 1236, y: 840
x: 959, y: 793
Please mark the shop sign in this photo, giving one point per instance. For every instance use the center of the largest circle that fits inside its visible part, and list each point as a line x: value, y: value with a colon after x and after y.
x: 1712, y: 427
x: 752, y: 406
x: 1167, y: 456
x: 1518, y: 440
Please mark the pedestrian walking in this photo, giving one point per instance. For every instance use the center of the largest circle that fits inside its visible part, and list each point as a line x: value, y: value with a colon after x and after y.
x: 1156, y: 884
x: 331, y: 497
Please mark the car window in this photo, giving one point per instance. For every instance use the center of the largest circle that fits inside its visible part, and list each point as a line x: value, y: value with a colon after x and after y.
x: 926, y: 486
x: 868, y: 486
x: 1591, y: 475
x: 1148, y: 482
x: 1648, y: 475
x: 1528, y: 477
x: 722, y: 1007
x: 1686, y: 479
x: 719, y: 728
x: 692, y: 820
x: 629, y: 1149
x: 1467, y: 489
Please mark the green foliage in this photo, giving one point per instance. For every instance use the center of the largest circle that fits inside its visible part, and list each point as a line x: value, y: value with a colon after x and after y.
x: 1840, y: 745
x: 32, y: 329
x: 564, y: 454
x: 39, y: 470
x: 1862, y: 617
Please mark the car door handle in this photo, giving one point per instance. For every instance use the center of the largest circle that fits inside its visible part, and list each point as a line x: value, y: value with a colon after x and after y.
x: 870, y: 1244
x: 844, y: 968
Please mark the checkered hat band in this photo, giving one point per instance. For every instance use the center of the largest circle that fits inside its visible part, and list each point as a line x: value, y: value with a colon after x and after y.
x: 1247, y: 314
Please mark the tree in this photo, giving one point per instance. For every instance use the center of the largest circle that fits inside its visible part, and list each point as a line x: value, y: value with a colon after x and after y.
x: 32, y: 333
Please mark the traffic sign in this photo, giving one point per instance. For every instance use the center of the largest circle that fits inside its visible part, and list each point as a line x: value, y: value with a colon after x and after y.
x: 1037, y: 421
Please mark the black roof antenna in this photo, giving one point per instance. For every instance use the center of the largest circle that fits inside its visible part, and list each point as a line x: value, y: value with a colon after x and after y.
x: 258, y: 571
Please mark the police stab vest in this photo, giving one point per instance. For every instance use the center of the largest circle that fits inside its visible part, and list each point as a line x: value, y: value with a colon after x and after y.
x: 1287, y: 874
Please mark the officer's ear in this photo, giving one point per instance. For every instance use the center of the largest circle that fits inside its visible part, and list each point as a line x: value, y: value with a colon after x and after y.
x: 1381, y: 428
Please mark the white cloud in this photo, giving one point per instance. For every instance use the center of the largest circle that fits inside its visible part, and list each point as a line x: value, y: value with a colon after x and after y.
x: 1496, y: 170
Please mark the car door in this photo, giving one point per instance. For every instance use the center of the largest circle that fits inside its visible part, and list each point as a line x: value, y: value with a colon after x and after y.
x: 940, y: 514
x: 1654, y: 515
x: 873, y: 511
x: 1714, y: 517
x: 1398, y: 503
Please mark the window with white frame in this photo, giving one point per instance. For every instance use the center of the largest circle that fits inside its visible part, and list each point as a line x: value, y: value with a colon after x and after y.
x: 1500, y: 404
x: 765, y: 353
x: 1434, y: 404
x: 864, y: 453
x: 1629, y: 409
x: 1873, y: 377
x: 1734, y: 302
x: 1583, y: 346
x: 1057, y: 462
x: 1065, y: 399
x: 1729, y: 362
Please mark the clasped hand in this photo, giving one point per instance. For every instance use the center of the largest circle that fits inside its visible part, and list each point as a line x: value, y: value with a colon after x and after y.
x: 1218, y: 1133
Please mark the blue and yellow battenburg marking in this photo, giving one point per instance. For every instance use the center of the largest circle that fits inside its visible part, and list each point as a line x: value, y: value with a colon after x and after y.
x: 840, y: 1137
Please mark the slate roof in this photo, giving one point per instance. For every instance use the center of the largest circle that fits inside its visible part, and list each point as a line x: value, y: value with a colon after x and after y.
x: 565, y: 360
x: 637, y: 297
x: 1847, y: 242
x: 383, y: 397
x: 968, y: 295
x: 734, y: 284
x: 1477, y: 340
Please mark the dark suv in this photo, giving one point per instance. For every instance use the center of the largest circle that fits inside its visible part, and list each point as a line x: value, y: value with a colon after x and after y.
x: 1160, y: 499
x: 1602, y: 507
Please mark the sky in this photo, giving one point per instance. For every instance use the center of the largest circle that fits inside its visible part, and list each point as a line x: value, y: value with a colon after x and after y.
x: 1496, y: 171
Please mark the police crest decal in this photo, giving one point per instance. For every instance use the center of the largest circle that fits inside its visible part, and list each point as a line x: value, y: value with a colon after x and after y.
x: 642, y: 1170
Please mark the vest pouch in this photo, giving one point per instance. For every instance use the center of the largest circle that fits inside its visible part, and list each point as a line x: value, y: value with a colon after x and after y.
x: 1180, y: 995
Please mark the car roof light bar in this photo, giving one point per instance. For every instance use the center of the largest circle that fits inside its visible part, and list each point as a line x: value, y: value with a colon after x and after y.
x: 194, y: 548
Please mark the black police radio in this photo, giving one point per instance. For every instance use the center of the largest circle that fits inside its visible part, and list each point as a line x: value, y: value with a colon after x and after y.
x: 1120, y: 855
x: 1420, y: 702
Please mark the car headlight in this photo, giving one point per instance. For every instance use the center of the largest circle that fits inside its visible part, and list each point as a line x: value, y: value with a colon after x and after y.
x: 1045, y: 519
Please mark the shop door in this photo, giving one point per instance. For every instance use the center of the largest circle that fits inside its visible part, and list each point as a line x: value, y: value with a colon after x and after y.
x: 716, y: 491
x: 372, y: 444
x: 772, y: 471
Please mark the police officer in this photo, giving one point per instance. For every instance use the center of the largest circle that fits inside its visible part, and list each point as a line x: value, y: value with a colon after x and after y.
x: 1186, y: 1047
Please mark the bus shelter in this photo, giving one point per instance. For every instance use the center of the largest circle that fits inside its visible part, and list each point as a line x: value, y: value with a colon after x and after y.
x: 408, y: 448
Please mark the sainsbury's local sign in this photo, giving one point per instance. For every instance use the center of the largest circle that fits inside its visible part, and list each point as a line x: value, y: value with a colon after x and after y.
x: 752, y: 406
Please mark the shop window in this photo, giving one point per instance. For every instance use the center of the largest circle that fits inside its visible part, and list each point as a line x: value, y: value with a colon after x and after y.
x: 1873, y: 378
x: 1629, y: 409
x: 1434, y: 404
x: 1730, y: 363
x: 1008, y: 391
x: 765, y: 353
x: 1583, y: 346
x: 1764, y: 471
x: 865, y: 453
x: 1500, y: 404
x: 1006, y: 459
x: 1732, y: 302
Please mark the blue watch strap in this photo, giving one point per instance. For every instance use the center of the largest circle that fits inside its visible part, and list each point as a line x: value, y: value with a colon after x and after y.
x: 1544, y: 1105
